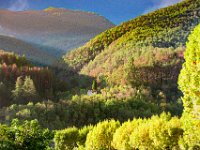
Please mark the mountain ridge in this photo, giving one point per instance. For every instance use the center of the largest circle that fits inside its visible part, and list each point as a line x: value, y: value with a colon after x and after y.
x: 145, y: 51
x: 61, y: 30
x: 141, y: 31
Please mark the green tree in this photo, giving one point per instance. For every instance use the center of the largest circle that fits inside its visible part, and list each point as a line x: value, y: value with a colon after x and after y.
x: 83, y: 135
x: 100, y: 138
x: 94, y: 85
x: 30, y: 93
x: 140, y: 137
x: 165, y: 131
x: 24, y: 136
x: 66, y: 139
x: 189, y: 83
x: 19, y: 91
x: 121, y: 137
x: 25, y: 90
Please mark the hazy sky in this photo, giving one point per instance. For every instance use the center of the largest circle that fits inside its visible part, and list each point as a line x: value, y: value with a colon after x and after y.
x: 116, y: 11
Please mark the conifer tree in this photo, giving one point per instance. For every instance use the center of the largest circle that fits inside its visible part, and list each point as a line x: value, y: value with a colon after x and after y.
x: 94, y: 85
x: 30, y: 92
x: 18, y: 92
x: 25, y: 90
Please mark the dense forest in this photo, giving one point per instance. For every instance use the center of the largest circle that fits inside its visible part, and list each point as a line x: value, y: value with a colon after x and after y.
x: 147, y: 50
x: 156, y: 132
x: 134, y: 86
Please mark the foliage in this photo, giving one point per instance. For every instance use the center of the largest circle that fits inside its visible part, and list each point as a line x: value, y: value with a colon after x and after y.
x: 158, y: 132
x: 120, y: 103
x: 83, y: 132
x: 71, y: 138
x: 101, y: 135
x: 15, y: 70
x: 121, y: 138
x: 66, y: 139
x: 189, y: 84
x: 167, y: 27
x: 26, y: 135
x: 25, y: 91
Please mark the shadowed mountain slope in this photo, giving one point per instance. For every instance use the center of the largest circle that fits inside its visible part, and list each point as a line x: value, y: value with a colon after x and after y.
x: 20, y: 47
x: 52, y: 30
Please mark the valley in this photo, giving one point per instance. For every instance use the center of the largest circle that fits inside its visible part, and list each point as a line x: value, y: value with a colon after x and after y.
x: 87, y: 84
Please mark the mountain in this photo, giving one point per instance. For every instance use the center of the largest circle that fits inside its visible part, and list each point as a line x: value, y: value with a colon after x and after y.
x: 150, y: 29
x: 147, y: 50
x: 53, y: 31
x: 23, y: 48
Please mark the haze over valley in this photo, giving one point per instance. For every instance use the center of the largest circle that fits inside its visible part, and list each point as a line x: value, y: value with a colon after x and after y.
x: 52, y: 31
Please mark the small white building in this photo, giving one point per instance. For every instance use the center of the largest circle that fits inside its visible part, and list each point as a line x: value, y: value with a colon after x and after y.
x: 89, y: 93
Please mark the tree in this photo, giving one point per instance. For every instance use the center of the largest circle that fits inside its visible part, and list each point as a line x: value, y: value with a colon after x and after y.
x: 66, y: 139
x: 83, y: 135
x: 30, y: 93
x: 102, y: 135
x: 121, y: 137
x: 94, y: 85
x: 189, y: 83
x: 140, y: 137
x: 25, y: 90
x: 18, y: 92
x: 27, y: 135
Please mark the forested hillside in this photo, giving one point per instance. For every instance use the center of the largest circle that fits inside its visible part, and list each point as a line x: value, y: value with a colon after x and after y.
x: 164, y: 28
x: 145, y: 51
x: 21, y: 82
x: 157, y: 132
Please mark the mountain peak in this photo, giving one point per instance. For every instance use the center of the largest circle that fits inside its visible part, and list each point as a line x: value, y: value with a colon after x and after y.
x: 49, y: 9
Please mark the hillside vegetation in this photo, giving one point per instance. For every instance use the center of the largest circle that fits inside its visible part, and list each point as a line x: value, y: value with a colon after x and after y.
x: 21, y: 82
x: 147, y: 50
x: 164, y: 28
x: 157, y: 132
x: 117, y: 92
